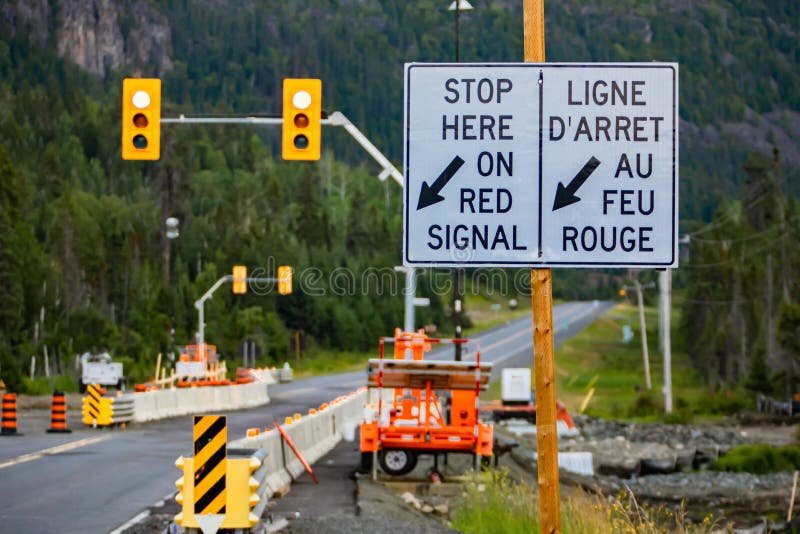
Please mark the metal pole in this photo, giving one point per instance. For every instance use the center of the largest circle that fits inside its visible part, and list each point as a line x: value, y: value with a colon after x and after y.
x: 200, y: 324
x: 335, y: 119
x: 643, y: 329
x: 543, y: 345
x: 457, y: 273
x: 458, y: 10
x: 410, y: 292
x: 199, y: 305
x: 458, y: 306
x: 665, y: 290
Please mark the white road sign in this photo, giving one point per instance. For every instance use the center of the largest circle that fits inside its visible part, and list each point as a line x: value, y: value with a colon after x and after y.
x: 541, y: 165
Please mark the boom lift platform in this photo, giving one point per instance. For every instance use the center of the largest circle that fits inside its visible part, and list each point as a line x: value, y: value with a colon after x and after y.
x: 412, y: 423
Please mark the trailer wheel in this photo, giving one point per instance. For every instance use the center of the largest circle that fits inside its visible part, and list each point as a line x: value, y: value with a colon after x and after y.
x: 81, y: 386
x: 397, y: 461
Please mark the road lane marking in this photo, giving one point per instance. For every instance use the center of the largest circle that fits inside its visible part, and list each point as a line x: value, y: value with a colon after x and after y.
x: 58, y: 449
x: 577, y: 318
x: 132, y: 521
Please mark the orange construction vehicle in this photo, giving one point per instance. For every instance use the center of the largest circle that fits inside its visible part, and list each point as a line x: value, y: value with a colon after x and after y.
x: 412, y: 422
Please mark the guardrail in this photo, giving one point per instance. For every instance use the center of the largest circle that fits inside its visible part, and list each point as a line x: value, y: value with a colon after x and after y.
x: 776, y: 407
x: 314, y: 434
x: 101, y: 410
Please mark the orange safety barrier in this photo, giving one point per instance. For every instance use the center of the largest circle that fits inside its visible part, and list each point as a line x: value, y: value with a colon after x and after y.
x: 58, y: 414
x: 9, y: 422
x: 203, y: 383
x: 243, y: 376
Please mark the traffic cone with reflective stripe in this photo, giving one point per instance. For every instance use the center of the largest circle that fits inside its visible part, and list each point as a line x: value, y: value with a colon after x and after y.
x: 58, y: 416
x: 9, y: 422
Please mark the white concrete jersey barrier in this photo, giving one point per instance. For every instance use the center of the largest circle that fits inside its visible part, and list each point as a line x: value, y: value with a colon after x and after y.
x: 314, y: 435
x: 164, y: 403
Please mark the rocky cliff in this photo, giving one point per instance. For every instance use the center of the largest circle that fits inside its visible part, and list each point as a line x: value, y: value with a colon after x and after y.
x: 99, y: 35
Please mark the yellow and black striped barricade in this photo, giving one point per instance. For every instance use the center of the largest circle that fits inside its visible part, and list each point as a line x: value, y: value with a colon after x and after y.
x: 219, y: 487
x: 97, y: 409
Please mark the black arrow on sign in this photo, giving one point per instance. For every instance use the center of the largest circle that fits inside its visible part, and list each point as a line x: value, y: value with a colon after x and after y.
x: 429, y: 194
x: 566, y: 195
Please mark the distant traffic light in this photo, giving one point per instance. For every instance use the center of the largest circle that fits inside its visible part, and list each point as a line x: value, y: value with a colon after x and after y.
x: 141, y: 118
x: 284, y: 280
x: 302, y: 113
x: 239, y: 279
x: 621, y: 292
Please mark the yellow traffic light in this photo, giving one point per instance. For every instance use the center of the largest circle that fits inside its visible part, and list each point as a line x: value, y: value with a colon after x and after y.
x: 141, y: 118
x: 284, y: 280
x: 302, y: 113
x: 621, y: 292
x: 239, y: 279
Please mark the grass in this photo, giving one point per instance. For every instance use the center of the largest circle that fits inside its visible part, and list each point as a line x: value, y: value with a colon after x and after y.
x: 321, y: 362
x: 598, y: 359
x: 759, y: 459
x: 493, y: 503
x: 479, y: 309
x: 46, y: 386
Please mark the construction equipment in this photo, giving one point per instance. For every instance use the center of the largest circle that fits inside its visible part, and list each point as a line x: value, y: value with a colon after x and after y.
x: 517, y: 399
x: 412, y: 423
x: 99, y: 369
x: 195, y: 361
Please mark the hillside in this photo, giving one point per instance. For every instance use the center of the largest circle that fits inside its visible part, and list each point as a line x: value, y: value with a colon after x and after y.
x: 84, y: 262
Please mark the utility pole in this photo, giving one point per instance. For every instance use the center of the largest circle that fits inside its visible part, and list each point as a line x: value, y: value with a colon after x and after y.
x: 643, y: 329
x: 458, y: 274
x: 665, y: 286
x: 543, y: 345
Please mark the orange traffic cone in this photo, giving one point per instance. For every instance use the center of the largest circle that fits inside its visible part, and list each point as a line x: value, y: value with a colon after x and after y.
x: 58, y: 416
x: 9, y: 418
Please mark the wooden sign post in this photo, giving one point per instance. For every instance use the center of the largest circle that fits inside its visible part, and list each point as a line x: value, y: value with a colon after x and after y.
x: 542, y: 310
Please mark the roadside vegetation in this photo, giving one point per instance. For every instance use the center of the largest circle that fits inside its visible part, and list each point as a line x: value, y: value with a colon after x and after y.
x: 494, y: 503
x: 597, y: 364
x: 759, y: 459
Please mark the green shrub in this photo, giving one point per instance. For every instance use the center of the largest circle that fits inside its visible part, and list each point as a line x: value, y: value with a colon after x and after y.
x: 46, y: 386
x: 726, y: 402
x: 645, y: 404
x: 681, y: 416
x: 759, y: 459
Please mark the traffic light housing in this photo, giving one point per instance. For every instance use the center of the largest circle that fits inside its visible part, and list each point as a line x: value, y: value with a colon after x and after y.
x: 284, y: 280
x: 621, y: 292
x: 141, y: 118
x: 239, y: 279
x: 302, y: 113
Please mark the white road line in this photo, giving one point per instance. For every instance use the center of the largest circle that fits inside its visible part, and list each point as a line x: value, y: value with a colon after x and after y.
x: 54, y: 450
x: 138, y: 518
x: 528, y: 332
x: 135, y: 519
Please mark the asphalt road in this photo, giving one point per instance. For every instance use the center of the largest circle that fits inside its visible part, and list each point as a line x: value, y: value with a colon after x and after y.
x: 99, y: 479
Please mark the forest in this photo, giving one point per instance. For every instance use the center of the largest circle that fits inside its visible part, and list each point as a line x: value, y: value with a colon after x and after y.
x: 85, y: 263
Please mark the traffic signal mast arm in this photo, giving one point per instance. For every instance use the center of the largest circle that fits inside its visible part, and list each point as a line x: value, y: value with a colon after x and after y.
x: 207, y: 295
x: 336, y: 118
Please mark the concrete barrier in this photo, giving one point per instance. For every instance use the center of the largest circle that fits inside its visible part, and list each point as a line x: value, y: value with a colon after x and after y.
x: 165, y: 403
x: 313, y: 434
